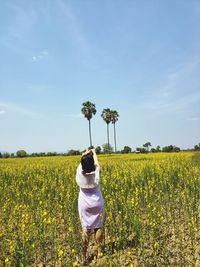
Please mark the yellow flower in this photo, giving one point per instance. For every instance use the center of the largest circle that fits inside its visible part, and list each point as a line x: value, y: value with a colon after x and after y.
x: 129, y: 253
x: 60, y: 252
x: 70, y: 229
x: 100, y: 254
x: 156, y: 245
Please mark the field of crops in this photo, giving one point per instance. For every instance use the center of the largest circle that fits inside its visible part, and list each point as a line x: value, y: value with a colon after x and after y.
x: 152, y: 205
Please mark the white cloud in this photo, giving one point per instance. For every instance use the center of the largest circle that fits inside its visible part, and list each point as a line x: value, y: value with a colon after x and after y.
x: 18, y: 27
x: 2, y: 111
x: 13, y: 108
x: 73, y: 27
x: 178, y: 93
x: 173, y: 103
x: 40, y: 56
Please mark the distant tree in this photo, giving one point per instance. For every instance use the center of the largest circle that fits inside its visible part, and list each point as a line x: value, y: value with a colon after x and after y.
x: 107, y: 148
x: 98, y: 150
x: 34, y: 155
x: 147, y: 145
x: 158, y: 149
x: 51, y: 154
x: 176, y: 149
x: 73, y: 152
x: 42, y: 154
x: 171, y: 148
x: 1, y: 155
x: 197, y: 147
x: 6, y: 155
x: 126, y: 149
x: 153, y: 150
x: 141, y: 150
x: 106, y: 115
x: 88, y: 109
x: 12, y: 155
x: 167, y: 149
x: 21, y: 153
x: 138, y: 149
x: 114, y: 119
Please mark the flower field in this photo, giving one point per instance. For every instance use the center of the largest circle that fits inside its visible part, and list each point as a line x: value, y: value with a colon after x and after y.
x: 152, y: 205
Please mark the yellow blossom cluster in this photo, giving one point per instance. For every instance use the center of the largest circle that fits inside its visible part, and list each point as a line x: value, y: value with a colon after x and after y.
x: 151, y: 204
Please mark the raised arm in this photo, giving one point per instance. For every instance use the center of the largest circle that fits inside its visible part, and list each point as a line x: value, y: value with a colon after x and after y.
x: 95, y: 157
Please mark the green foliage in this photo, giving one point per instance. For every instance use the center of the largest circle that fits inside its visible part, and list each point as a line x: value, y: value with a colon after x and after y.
x: 73, y: 152
x: 40, y: 154
x: 196, y: 158
x: 5, y: 155
x: 98, y: 150
x: 141, y: 150
x: 50, y: 154
x: 21, y: 153
x: 88, y: 109
x: 114, y: 116
x: 114, y: 119
x: 106, y: 115
x: 158, y: 149
x: 147, y: 145
x: 107, y: 148
x: 197, y: 147
x: 170, y: 148
x: 126, y: 149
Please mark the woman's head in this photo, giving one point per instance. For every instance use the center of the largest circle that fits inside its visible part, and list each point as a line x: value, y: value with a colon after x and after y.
x: 87, y: 162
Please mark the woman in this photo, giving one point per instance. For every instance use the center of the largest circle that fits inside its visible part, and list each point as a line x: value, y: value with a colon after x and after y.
x: 90, y: 200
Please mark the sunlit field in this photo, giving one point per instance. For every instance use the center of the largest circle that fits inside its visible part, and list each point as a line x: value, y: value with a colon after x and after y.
x: 152, y: 205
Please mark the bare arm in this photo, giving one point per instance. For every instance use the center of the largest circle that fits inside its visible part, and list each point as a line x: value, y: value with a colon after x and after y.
x: 95, y: 157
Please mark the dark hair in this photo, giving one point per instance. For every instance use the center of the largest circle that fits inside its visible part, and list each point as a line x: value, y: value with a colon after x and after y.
x: 87, y: 163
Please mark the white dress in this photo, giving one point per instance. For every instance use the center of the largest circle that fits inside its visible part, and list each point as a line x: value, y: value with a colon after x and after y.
x: 90, y: 200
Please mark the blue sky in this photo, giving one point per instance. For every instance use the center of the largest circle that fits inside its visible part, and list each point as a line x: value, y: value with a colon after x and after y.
x: 141, y: 58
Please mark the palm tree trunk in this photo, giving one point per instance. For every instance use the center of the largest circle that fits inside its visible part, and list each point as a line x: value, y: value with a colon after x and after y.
x: 115, y: 138
x: 108, y: 135
x: 90, y: 134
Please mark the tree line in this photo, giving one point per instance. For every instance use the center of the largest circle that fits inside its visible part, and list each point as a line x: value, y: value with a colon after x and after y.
x: 105, y: 149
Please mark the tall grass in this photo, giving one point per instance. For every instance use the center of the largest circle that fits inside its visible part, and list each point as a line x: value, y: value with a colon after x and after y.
x: 151, y: 203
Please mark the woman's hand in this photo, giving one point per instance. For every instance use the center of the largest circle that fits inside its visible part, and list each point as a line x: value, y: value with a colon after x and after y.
x: 88, y: 151
x: 93, y: 150
x: 85, y: 152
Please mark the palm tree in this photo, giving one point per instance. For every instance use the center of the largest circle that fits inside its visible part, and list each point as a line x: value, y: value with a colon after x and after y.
x: 88, y: 109
x: 106, y: 115
x: 114, y: 119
